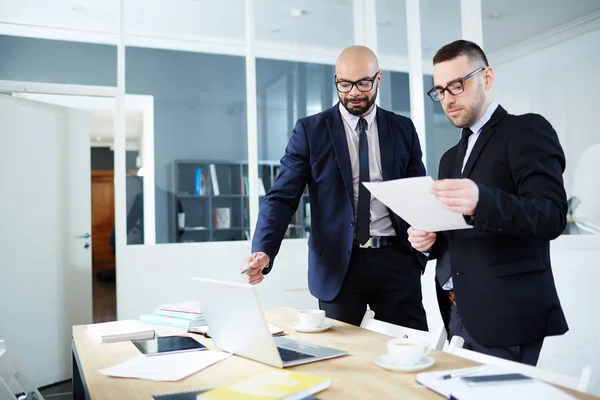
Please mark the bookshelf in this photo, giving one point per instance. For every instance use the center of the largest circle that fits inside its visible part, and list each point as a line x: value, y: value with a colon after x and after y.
x: 211, y: 203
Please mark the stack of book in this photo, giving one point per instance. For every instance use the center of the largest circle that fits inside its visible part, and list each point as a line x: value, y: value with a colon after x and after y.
x: 117, y: 331
x: 180, y: 315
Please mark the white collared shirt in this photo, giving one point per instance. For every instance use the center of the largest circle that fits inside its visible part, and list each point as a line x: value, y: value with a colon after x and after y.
x: 381, y: 224
x: 476, y: 128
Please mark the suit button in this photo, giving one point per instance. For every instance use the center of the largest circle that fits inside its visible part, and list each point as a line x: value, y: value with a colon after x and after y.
x: 348, y: 252
x: 351, y: 223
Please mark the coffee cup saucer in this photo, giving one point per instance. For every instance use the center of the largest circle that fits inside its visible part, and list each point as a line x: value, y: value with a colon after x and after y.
x: 386, y: 361
x: 304, y: 329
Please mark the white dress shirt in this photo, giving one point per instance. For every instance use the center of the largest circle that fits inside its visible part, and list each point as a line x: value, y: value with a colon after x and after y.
x: 381, y: 224
x: 476, y: 128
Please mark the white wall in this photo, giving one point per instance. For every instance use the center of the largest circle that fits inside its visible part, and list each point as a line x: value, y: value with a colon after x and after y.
x: 576, y: 267
x: 151, y: 275
x: 561, y: 83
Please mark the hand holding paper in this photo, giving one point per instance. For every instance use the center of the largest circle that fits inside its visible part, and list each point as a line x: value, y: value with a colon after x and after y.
x: 412, y: 199
x: 458, y: 195
x: 421, y: 240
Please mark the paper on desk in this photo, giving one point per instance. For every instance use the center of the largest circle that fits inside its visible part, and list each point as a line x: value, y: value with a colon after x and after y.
x: 458, y: 389
x: 168, y: 367
x: 412, y: 200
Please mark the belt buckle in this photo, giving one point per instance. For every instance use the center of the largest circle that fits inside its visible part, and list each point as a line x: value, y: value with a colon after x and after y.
x: 368, y: 244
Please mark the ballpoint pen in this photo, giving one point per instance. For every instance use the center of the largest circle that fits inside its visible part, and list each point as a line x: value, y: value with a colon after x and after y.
x: 244, y: 271
x: 459, y: 373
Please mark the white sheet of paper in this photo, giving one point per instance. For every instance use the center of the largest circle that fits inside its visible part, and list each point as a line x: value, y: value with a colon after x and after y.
x: 533, y: 389
x: 168, y: 367
x: 412, y: 200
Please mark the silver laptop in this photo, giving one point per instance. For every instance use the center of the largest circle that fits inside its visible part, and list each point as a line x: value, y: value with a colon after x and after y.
x: 237, y: 325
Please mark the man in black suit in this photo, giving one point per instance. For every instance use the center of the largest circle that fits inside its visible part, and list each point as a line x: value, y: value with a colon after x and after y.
x: 358, y: 250
x: 494, y: 281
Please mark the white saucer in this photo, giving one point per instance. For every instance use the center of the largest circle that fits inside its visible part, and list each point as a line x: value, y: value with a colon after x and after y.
x: 386, y: 362
x: 299, y: 328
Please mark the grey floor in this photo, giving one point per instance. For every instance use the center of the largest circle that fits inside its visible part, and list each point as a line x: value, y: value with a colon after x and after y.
x: 58, y: 391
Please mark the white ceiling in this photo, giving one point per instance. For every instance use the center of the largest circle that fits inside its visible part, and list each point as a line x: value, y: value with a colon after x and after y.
x: 325, y: 23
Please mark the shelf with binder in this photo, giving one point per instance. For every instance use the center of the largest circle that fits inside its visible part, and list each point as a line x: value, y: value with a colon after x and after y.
x: 210, y: 200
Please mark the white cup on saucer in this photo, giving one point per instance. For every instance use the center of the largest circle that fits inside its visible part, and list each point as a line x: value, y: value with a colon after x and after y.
x: 311, y: 318
x: 403, y: 352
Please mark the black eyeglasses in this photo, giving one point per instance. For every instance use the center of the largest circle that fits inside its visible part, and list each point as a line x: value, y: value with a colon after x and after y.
x: 455, y: 87
x: 364, y: 85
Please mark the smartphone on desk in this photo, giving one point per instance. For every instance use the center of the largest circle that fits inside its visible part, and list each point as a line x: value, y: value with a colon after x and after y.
x: 477, y: 380
x: 167, y: 345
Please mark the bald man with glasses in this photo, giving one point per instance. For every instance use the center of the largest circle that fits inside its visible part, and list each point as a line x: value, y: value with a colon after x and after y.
x: 358, y: 251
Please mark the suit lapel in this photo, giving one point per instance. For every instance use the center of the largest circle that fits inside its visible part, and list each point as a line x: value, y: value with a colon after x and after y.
x: 386, y: 145
x: 335, y: 126
x: 447, y: 164
x: 484, y: 136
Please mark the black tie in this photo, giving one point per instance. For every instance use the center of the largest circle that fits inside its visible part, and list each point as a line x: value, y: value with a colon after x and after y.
x: 363, y: 214
x: 443, y: 270
x: 462, y: 151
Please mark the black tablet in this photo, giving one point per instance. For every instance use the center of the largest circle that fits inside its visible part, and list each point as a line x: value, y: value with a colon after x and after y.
x: 167, y: 345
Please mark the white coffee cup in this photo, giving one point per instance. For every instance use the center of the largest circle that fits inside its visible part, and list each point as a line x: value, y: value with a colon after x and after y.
x: 311, y: 318
x: 405, y: 352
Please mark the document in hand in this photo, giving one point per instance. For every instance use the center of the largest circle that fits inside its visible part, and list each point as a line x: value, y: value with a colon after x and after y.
x: 412, y: 200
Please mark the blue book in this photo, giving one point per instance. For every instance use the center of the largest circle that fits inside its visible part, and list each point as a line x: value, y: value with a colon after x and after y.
x: 199, y: 182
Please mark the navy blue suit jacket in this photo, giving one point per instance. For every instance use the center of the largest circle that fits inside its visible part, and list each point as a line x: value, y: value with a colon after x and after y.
x: 317, y: 154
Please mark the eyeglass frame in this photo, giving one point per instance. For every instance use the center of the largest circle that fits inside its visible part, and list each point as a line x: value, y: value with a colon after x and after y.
x: 355, y: 83
x: 459, y: 80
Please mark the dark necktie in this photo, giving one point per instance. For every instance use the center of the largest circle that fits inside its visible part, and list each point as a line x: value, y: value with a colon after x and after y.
x: 363, y: 212
x: 443, y: 270
x: 462, y: 151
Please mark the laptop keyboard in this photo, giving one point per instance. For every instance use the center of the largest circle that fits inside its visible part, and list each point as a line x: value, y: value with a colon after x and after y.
x: 288, y: 355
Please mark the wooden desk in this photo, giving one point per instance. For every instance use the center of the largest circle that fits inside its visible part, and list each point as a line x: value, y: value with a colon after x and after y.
x: 352, y: 377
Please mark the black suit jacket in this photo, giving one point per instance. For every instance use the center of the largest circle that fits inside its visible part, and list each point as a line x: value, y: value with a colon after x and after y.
x: 501, y: 271
x: 317, y: 154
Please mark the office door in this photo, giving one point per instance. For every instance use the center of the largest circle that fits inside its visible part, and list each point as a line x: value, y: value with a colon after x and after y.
x: 45, y: 226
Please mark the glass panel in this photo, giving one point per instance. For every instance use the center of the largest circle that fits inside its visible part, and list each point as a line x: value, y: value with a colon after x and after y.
x: 441, y: 134
x: 395, y: 93
x: 200, y: 142
x: 287, y: 90
x: 36, y: 58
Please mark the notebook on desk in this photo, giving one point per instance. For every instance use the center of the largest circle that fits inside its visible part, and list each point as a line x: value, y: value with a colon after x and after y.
x: 456, y: 388
x: 117, y: 331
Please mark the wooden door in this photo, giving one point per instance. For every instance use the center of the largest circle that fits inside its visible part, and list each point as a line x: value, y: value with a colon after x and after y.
x: 103, y: 220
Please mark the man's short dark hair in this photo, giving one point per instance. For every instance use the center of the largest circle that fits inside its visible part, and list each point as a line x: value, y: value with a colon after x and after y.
x: 461, y: 48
